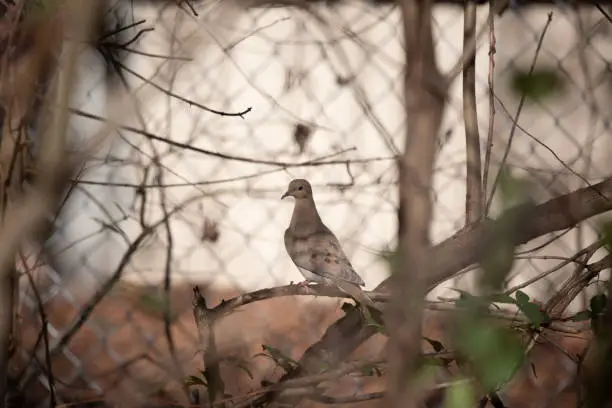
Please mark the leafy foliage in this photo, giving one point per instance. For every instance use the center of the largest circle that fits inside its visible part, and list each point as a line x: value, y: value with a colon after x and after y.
x: 459, y: 395
x: 540, y: 84
x: 287, y: 363
x: 531, y: 310
x: 499, y: 249
x: 495, y: 353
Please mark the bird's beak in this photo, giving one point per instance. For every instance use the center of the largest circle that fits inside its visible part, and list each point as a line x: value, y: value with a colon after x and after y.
x: 287, y: 194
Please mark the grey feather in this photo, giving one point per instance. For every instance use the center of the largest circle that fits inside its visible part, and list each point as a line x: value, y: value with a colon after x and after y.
x: 315, y: 250
x: 320, y: 253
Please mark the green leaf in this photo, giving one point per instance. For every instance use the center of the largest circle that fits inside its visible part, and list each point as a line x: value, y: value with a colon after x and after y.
x: 495, y: 352
x: 371, y: 371
x: 513, y: 190
x: 463, y: 294
x: 435, y: 344
x: 499, y: 250
x: 36, y: 9
x: 370, y: 322
x: 460, y: 395
x: 521, y: 297
x: 598, y: 303
x: 498, y: 262
x: 538, y: 84
x: 193, y: 380
x: 501, y: 298
x: 469, y: 301
x: 605, y: 235
x: 533, y: 312
x: 433, y: 361
x: 582, y: 316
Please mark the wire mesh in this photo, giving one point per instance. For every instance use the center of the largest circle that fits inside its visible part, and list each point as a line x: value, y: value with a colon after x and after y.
x: 320, y: 85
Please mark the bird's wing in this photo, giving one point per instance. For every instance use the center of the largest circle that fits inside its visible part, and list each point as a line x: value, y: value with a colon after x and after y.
x: 321, y: 254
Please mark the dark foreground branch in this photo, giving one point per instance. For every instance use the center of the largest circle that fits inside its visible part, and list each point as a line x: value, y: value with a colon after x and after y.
x: 424, y: 108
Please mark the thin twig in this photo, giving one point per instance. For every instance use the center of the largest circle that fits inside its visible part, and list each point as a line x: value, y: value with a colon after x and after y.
x: 473, y: 194
x: 307, y: 163
x: 45, y: 333
x: 519, y: 109
x: 491, y: 95
x: 167, y: 310
x: 541, y: 143
x: 190, y: 102
x: 468, y: 53
x: 307, y: 381
x: 557, y: 324
x: 592, y: 105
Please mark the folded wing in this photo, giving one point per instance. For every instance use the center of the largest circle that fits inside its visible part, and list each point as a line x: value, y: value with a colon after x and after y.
x: 321, y: 254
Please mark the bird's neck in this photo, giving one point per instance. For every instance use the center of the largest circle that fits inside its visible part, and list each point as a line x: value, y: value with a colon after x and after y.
x: 305, y: 218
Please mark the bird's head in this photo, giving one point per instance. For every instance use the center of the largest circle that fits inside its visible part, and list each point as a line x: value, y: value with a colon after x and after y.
x: 299, y: 189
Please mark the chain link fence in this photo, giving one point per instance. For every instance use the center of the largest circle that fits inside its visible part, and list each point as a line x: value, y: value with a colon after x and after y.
x: 310, y: 93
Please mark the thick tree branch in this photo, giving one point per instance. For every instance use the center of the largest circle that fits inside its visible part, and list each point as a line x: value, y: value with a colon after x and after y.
x: 464, y: 248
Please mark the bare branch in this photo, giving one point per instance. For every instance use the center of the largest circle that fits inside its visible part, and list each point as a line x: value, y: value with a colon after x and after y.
x: 469, y: 53
x: 227, y: 306
x: 491, y: 97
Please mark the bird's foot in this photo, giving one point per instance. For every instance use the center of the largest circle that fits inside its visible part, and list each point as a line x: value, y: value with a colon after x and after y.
x: 302, y: 284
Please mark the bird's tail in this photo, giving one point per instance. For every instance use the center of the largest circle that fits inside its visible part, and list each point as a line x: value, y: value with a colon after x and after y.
x: 359, y: 295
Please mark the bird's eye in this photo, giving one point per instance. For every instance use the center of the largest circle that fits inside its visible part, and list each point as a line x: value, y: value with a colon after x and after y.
x: 300, y: 188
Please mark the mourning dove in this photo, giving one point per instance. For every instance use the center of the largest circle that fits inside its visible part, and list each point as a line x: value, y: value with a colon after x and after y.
x: 315, y: 250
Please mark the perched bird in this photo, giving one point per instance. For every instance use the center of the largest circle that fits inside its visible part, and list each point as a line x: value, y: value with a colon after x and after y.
x: 315, y: 250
